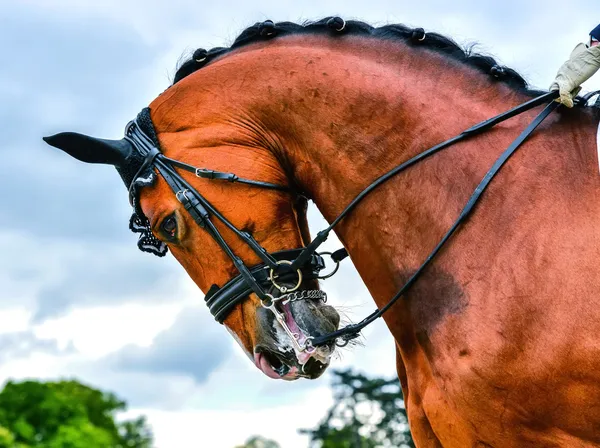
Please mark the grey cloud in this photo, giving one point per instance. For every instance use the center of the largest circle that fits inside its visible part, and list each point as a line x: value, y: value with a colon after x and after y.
x: 342, y: 288
x: 22, y: 344
x: 146, y: 390
x: 51, y: 277
x: 194, y: 347
x: 65, y: 75
x: 139, y: 389
x: 87, y: 202
x: 102, y: 276
x: 92, y: 63
x: 75, y: 248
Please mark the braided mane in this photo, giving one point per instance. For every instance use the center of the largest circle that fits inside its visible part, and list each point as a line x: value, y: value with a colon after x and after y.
x: 335, y: 26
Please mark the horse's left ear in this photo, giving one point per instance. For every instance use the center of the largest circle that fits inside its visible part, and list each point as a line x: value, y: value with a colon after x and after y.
x: 90, y: 149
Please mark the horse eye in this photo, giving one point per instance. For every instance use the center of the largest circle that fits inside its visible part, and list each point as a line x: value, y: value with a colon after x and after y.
x: 169, y: 226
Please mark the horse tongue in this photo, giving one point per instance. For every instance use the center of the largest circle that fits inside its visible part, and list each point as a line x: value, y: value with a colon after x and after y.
x: 290, y: 320
x: 264, y: 365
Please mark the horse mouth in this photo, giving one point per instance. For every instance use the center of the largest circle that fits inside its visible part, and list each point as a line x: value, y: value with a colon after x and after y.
x: 274, y: 366
x: 280, y: 358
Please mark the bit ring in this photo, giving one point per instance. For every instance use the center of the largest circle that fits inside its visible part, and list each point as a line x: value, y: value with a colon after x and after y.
x: 337, y: 266
x: 284, y: 289
x: 268, y: 304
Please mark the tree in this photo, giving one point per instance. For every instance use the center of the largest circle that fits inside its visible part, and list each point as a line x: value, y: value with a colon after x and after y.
x: 65, y: 414
x: 136, y: 434
x: 367, y: 413
x: 258, y: 442
x: 7, y: 440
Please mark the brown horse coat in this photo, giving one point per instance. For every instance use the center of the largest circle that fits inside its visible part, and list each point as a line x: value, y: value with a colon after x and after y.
x: 498, y: 343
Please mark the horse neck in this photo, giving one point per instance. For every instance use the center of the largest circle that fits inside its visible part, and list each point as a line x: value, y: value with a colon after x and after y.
x: 338, y: 114
x: 350, y: 127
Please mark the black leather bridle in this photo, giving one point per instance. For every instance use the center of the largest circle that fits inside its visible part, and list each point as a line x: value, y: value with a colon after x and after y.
x: 281, y: 269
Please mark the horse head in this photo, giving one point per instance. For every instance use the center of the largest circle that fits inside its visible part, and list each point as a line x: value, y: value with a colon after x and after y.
x: 273, y: 324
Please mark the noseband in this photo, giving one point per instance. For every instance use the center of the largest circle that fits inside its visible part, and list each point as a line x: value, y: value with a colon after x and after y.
x: 284, y: 271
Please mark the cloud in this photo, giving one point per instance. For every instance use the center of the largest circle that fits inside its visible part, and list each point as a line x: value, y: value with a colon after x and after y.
x: 64, y: 224
x: 21, y: 344
x: 90, y: 67
x: 65, y: 75
x: 192, y: 347
x: 108, y: 275
x: 50, y: 277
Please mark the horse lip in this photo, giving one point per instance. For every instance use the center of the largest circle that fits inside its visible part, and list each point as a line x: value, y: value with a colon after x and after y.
x: 264, y: 366
x: 262, y: 359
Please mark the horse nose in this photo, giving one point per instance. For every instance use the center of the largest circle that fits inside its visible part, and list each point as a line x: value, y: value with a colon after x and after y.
x: 314, y: 368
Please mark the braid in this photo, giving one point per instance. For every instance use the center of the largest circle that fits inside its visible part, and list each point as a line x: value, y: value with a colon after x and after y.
x: 336, y: 26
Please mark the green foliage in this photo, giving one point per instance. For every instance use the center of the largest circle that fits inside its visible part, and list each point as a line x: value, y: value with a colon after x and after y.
x: 65, y: 414
x: 7, y: 440
x: 136, y: 434
x: 346, y: 437
x: 80, y: 434
x: 367, y: 413
x: 259, y: 442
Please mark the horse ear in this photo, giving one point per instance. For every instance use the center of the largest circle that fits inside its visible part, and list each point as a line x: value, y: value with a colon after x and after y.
x: 92, y: 150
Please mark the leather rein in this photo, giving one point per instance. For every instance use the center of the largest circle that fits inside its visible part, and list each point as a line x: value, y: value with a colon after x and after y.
x: 281, y: 269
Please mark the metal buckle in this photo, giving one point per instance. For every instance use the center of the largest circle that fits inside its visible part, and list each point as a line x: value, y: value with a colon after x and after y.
x: 183, y: 193
x: 205, y: 173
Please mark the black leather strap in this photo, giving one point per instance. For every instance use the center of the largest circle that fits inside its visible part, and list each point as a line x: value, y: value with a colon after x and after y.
x: 244, y: 236
x: 195, y: 204
x: 339, y: 255
x: 220, y: 301
x: 201, y: 211
x: 352, y: 331
x: 473, y: 130
x: 220, y: 175
x: 588, y: 96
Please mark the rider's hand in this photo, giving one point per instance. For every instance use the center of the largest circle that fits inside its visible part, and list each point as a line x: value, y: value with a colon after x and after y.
x: 583, y: 63
x: 565, y: 95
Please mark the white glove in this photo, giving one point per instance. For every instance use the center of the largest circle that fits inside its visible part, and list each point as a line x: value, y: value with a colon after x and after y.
x: 582, y: 64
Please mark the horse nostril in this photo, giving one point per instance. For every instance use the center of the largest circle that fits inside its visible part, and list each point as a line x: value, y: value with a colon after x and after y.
x: 314, y: 368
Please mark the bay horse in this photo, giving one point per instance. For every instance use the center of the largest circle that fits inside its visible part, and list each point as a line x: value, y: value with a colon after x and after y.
x: 497, y: 342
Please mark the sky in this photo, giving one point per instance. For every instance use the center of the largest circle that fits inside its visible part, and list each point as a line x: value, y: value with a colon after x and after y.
x: 78, y: 300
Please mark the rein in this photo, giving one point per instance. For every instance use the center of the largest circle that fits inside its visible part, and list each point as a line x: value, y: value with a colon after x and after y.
x: 280, y: 269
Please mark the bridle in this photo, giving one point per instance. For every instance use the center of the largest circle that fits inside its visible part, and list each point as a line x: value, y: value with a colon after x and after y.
x: 281, y: 269
x: 273, y: 272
